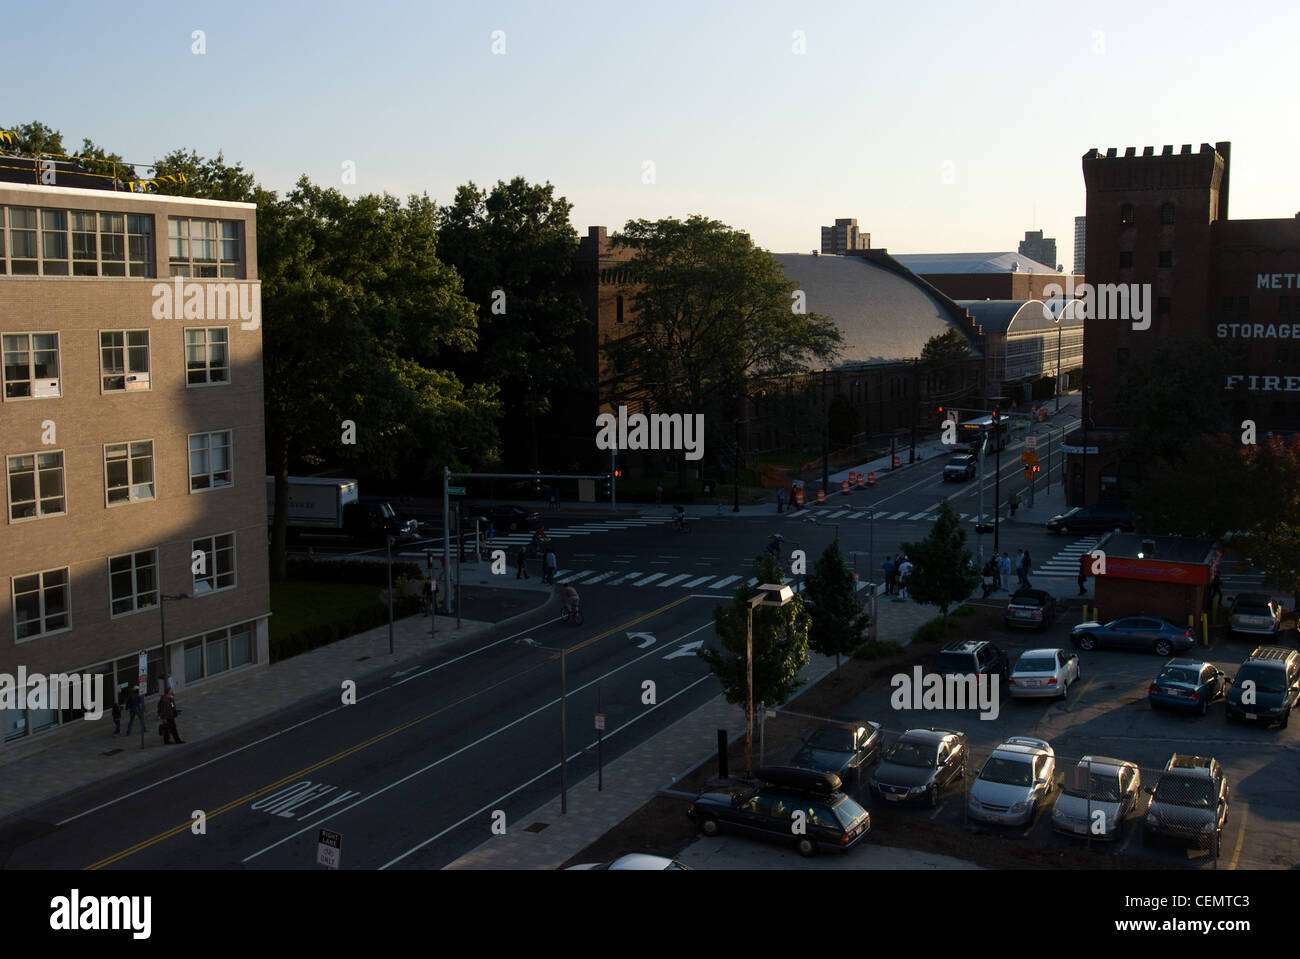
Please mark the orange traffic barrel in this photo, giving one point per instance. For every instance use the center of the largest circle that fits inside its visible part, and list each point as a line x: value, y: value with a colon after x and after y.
x: 871, y: 479
x: 821, y: 496
x: 896, y: 462
x: 844, y: 487
x: 798, y: 495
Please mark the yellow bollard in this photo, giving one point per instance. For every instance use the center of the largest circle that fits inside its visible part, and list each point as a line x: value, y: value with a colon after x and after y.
x: 1205, y: 628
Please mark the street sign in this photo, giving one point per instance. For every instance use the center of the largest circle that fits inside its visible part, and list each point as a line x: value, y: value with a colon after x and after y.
x: 1031, y: 442
x: 600, y: 721
x: 143, y: 677
x: 455, y: 491
x: 329, y: 848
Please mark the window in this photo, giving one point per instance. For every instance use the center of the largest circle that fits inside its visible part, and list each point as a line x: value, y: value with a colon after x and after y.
x: 128, y: 472
x: 31, y: 362
x: 203, y: 248
x: 54, y: 242
x: 24, y: 260
x: 1125, y: 259
x: 1166, y: 214
x: 1126, y: 215
x: 40, y: 603
x: 1166, y: 259
x: 77, y: 243
x: 207, y: 359
x: 216, y: 568
x: 124, y: 359
x: 133, y: 582
x: 36, y: 485
x: 139, y: 244
x: 209, y: 460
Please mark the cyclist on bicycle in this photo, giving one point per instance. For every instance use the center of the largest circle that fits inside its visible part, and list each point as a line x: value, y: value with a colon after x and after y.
x: 569, y: 596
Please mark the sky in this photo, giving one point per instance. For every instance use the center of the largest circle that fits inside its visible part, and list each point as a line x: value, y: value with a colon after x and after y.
x: 942, y: 127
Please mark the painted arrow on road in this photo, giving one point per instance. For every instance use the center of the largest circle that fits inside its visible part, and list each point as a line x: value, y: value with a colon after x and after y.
x: 648, y: 637
x: 687, y: 650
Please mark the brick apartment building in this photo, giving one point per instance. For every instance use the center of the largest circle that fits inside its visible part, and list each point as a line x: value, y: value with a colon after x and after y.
x: 1234, y: 285
x: 131, y: 435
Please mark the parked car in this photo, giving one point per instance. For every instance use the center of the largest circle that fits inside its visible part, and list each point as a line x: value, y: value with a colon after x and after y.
x: 1030, y: 608
x: 640, y: 862
x: 1266, y: 687
x: 959, y: 467
x: 1255, y: 614
x: 507, y: 518
x: 1043, y: 672
x: 1187, y: 684
x: 831, y: 818
x: 1190, y: 802
x: 1134, y: 632
x: 1097, y: 796
x: 1013, y: 782
x: 920, y: 766
x: 965, y: 656
x: 847, y: 751
x: 1091, y: 519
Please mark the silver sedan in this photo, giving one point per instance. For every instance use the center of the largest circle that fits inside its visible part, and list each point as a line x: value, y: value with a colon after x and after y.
x: 1043, y: 672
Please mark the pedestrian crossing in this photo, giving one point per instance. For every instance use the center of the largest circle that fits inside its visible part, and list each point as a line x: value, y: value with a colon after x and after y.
x: 1065, y: 563
x: 710, y: 583
x: 925, y: 515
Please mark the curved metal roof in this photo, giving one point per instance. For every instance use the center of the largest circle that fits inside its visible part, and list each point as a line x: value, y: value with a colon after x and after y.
x: 923, y: 263
x: 1025, y: 316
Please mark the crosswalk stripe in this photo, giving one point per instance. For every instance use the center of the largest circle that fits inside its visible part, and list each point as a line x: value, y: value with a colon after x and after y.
x: 862, y: 584
x: 675, y: 579
x: 752, y: 581
x: 696, y: 582
x: 624, y: 579
x: 916, y: 516
x: 597, y: 579
x: 897, y: 515
x: 726, y: 581
x: 650, y: 579
x: 575, y: 577
x: 837, y: 514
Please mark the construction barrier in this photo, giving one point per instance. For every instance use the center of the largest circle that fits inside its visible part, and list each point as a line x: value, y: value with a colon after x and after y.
x: 798, y: 495
x: 871, y: 479
x: 896, y: 462
x: 844, y: 487
x: 821, y: 496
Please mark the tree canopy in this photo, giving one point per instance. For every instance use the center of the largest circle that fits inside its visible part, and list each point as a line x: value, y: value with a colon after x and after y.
x: 942, y: 574
x: 838, y: 621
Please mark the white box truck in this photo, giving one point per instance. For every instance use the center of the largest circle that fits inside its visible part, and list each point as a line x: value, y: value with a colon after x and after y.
x: 330, y: 505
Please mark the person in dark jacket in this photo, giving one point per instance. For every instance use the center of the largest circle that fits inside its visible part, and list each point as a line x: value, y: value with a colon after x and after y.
x: 135, y: 706
x: 167, y: 711
x: 521, y: 563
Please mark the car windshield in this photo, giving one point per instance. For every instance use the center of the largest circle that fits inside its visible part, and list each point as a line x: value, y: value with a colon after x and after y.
x: 1179, y: 674
x: 911, y: 754
x: 1252, y: 609
x: 1036, y: 665
x: 847, y: 811
x: 833, y: 738
x: 1099, y: 787
x: 1008, y: 772
x: 1265, y: 680
x: 954, y: 662
x: 1185, y: 791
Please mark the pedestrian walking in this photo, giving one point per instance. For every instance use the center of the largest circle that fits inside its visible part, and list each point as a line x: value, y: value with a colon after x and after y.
x: 1026, y: 567
x: 135, y: 705
x: 1020, y: 567
x: 1012, y: 502
x: 1083, y: 578
x: 780, y: 500
x: 904, y: 570
x: 890, y: 571
x: 167, y: 713
x: 117, y: 716
x: 549, y: 564
x: 1005, y: 565
x: 521, y: 563
x: 659, y: 493
x: 995, y: 567
x: 1216, y: 589
x: 555, y: 498
x: 987, y: 578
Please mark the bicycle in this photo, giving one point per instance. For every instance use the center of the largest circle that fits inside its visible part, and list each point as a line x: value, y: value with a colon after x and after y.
x: 574, y: 615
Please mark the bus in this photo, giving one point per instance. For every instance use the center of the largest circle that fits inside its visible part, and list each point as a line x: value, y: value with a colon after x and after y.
x: 970, y: 433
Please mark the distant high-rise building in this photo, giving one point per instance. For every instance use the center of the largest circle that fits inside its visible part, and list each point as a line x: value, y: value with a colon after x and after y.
x: 1036, y: 247
x: 843, y: 237
x: 1080, y: 237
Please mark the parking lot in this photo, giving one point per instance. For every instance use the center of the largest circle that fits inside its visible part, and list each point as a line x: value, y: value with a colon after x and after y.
x: 1107, y: 714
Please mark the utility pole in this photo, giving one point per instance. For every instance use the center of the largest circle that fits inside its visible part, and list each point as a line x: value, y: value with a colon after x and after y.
x: 997, y: 477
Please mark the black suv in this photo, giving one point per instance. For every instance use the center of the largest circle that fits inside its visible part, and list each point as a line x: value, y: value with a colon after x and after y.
x: 919, y: 766
x: 789, y: 805
x: 1266, y: 687
x: 966, y: 656
x: 1091, y: 519
x: 960, y: 466
x: 1190, y: 802
x: 847, y: 751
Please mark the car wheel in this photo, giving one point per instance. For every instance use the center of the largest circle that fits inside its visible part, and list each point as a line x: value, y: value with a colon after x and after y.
x: 1065, y: 530
x: 710, y: 826
x: 1163, y: 647
x: 1087, y: 641
x: 1065, y: 692
x: 806, y: 847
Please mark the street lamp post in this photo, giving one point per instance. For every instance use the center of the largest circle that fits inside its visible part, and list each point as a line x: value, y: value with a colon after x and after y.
x: 1059, y: 325
x: 768, y: 595
x: 162, y: 617
x: 997, y: 476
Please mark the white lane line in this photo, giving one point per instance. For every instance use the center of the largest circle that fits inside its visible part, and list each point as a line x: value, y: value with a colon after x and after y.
x: 727, y: 581
x: 650, y: 579
x: 675, y: 579
x: 696, y: 582
x: 516, y: 722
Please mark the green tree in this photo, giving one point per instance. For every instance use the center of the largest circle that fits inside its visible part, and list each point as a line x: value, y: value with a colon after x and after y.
x: 780, y: 644
x: 838, y: 620
x: 946, y: 347
x: 942, y: 574
x: 358, y: 316
x: 182, y: 173
x: 1273, y: 541
x: 712, y: 313
x: 34, y: 137
x: 513, y: 246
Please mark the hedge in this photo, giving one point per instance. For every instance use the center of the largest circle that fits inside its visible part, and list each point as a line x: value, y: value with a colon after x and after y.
x: 351, y: 571
x: 325, y: 633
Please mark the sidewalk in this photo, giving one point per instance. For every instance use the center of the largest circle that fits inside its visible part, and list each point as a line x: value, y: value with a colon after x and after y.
x: 81, y: 753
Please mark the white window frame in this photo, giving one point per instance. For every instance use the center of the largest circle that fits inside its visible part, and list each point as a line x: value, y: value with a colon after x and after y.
x: 133, y: 381
x: 206, y: 451
x: 40, y: 513
x: 125, y: 447
x: 206, y: 347
x: 31, y: 378
x: 41, y: 590
x: 208, y: 582
x: 141, y: 600
x: 183, y: 235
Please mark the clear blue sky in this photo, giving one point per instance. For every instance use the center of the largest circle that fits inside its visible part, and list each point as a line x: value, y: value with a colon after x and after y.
x: 738, y: 125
